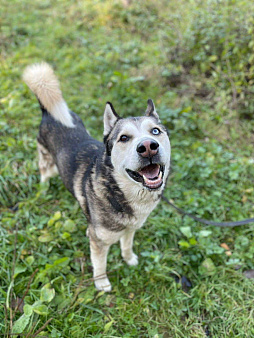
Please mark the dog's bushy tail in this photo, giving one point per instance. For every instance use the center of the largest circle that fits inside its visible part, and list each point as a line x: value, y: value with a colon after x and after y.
x: 41, y: 79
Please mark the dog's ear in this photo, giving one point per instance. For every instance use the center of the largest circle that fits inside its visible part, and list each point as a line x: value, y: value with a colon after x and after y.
x: 150, y: 110
x: 110, y: 118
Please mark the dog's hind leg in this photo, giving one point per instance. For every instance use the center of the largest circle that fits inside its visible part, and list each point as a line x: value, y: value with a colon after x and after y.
x: 47, y: 165
x: 99, y: 254
x: 126, y: 242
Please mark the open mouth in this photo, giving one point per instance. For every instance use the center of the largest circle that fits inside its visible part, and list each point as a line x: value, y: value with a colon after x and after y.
x: 150, y: 176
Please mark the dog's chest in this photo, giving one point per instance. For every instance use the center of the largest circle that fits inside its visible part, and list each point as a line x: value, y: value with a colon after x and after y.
x: 141, y: 201
x: 120, y: 221
x: 141, y: 210
x: 113, y: 229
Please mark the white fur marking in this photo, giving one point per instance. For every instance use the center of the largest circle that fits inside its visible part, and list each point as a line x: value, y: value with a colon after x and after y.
x: 47, y: 166
x: 41, y: 79
x: 133, y: 261
x: 102, y: 284
x: 99, y: 261
x: 126, y: 242
x: 109, y: 119
x: 51, y: 172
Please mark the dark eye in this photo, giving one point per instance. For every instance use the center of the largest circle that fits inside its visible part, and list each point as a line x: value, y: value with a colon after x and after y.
x: 156, y: 131
x: 124, y: 138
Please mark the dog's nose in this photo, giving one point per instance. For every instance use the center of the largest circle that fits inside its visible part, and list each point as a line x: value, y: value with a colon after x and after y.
x: 148, y: 148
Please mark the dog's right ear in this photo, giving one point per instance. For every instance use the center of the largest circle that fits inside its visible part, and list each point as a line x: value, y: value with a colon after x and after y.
x: 110, y: 118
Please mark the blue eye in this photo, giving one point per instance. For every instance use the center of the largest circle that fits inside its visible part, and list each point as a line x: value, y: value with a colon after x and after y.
x: 156, y: 131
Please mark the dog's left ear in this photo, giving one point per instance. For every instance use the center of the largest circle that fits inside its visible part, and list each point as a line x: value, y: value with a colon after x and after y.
x: 150, y: 110
x: 110, y: 118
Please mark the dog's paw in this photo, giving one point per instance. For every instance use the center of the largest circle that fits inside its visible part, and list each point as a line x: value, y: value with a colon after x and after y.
x: 103, y: 284
x: 133, y: 260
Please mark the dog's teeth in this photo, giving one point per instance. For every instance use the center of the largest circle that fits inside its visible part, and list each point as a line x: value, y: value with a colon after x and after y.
x: 145, y: 179
x: 160, y: 174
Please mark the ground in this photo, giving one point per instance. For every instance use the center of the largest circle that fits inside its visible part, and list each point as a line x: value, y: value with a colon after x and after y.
x: 195, y: 60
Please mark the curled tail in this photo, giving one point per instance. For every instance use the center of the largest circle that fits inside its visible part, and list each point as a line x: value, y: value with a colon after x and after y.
x: 41, y: 79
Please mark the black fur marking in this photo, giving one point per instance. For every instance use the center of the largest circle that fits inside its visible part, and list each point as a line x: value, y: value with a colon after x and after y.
x: 85, y: 178
x: 116, y: 198
x: 108, y: 163
x: 108, y: 144
x: 150, y: 107
x: 113, y: 110
x: 110, y: 137
x: 105, y: 138
x: 109, y: 147
x: 114, y: 203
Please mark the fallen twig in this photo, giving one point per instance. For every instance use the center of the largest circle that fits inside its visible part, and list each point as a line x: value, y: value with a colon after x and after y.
x: 42, y: 328
x: 27, y: 289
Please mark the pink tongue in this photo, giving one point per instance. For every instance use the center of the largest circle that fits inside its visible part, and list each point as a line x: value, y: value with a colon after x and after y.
x: 151, y: 171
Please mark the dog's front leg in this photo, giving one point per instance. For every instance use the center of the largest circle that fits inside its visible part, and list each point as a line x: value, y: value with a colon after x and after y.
x: 126, y: 248
x: 99, y: 252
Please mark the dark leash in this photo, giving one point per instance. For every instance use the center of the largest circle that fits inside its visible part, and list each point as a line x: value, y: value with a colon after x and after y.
x: 205, y: 221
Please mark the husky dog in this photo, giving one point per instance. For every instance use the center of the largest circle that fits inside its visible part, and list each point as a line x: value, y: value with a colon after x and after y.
x: 117, y: 183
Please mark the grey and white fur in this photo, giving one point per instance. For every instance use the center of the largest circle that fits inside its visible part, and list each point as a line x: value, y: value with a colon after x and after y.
x: 117, y: 183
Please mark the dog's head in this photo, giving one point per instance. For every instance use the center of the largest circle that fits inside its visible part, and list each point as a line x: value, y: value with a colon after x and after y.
x: 139, y: 147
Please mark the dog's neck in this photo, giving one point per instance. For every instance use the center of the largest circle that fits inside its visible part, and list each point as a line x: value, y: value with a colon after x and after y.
x: 135, y: 193
x: 141, y: 200
x: 136, y: 201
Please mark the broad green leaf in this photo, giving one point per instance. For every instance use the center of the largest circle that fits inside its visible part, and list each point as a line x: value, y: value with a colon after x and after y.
x: 213, y: 58
x: 192, y: 241
x: 28, y: 310
x: 66, y: 235
x: 47, y: 294
x: 10, y: 141
x: 70, y: 316
x: 19, y: 269
x: 55, y: 218
x: 205, y: 233
x: 20, y: 324
x: 47, y: 237
x: 62, y: 261
x: 70, y: 226
x: 30, y: 260
x: 184, y: 244
x: 207, y: 267
x: 108, y: 326
x: 58, y: 225
x: 101, y: 293
x: 41, y: 309
x: 186, y: 231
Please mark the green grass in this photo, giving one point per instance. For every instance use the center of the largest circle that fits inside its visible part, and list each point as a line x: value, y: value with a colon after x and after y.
x: 196, y: 61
